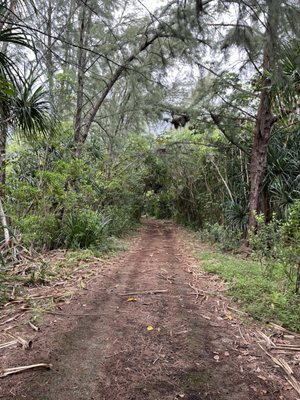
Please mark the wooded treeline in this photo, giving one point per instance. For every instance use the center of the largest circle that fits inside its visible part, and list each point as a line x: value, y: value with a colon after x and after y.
x: 86, y: 89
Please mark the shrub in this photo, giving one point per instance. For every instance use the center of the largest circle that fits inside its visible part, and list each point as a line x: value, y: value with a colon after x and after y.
x: 84, y: 229
x: 290, y: 238
x: 225, y: 238
x: 265, y: 242
x: 277, y: 244
x: 39, y: 231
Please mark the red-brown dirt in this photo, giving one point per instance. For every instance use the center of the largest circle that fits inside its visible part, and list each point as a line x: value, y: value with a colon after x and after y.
x: 192, y: 353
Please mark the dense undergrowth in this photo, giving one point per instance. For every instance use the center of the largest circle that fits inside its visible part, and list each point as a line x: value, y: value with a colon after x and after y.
x: 56, y: 201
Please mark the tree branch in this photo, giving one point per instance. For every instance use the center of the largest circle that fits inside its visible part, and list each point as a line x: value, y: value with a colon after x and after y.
x: 216, y: 119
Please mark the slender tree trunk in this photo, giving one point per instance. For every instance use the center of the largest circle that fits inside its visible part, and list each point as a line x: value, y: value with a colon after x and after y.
x: 85, y: 24
x: 4, y: 224
x: 49, y: 57
x: 3, y: 140
x: 265, y: 118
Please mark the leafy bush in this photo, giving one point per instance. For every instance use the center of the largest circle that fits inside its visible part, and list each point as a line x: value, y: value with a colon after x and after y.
x: 39, y: 231
x: 225, y: 238
x: 236, y: 215
x: 84, y: 229
x: 122, y: 220
x: 290, y: 237
x: 266, y: 241
x: 277, y: 244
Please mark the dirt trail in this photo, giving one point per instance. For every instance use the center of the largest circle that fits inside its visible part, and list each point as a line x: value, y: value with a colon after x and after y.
x: 112, y: 356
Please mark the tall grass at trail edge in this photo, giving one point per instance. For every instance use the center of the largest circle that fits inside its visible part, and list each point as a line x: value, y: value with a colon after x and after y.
x: 265, y: 298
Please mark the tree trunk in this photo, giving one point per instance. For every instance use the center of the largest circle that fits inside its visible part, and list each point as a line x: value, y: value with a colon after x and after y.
x: 85, y: 25
x: 3, y: 142
x: 258, y: 164
x: 49, y: 57
x: 264, y: 120
x: 4, y: 224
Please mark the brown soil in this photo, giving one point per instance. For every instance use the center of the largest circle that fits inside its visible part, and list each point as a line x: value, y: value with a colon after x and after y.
x: 195, y: 351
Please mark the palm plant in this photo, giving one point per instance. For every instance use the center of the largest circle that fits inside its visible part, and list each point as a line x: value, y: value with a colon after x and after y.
x: 23, y: 105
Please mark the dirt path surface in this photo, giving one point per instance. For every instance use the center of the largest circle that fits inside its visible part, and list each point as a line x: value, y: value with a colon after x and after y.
x: 110, y: 355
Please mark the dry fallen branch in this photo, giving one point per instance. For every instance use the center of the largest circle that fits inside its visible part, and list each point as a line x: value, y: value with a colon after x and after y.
x: 169, y: 278
x: 205, y: 316
x: 11, y: 319
x: 26, y: 344
x: 196, y: 290
x: 286, y: 368
x: 182, y: 332
x: 144, y: 292
x: 35, y: 328
x: 242, y: 336
x: 269, y: 342
x: 9, y: 371
x: 8, y: 344
x: 236, y: 310
x: 294, y: 383
x: 281, y: 329
x: 73, y: 315
x: 279, y: 361
x: 287, y: 347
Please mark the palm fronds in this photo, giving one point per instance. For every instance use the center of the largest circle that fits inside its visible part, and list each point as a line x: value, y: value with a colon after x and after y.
x: 32, y: 109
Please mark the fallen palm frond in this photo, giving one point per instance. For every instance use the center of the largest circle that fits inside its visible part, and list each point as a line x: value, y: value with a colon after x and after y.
x: 13, y: 253
x: 283, y: 330
x: 9, y: 371
x: 294, y: 383
x: 286, y: 368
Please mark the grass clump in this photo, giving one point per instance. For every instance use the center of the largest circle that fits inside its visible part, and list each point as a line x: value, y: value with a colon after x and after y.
x: 265, y: 298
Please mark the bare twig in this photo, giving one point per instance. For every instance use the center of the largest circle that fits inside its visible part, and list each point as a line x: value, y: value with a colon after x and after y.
x: 11, y: 319
x: 8, y: 344
x: 73, y: 315
x: 35, y: 328
x: 154, y: 291
x: 24, y: 343
x: 9, y: 371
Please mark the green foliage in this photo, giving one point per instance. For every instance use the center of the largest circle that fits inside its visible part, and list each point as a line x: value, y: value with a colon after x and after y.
x: 39, y: 231
x: 37, y: 275
x: 31, y: 108
x: 57, y: 201
x: 225, y: 237
x: 276, y: 244
x: 236, y: 215
x: 263, y: 298
x: 84, y: 228
x: 265, y: 241
x: 290, y: 253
